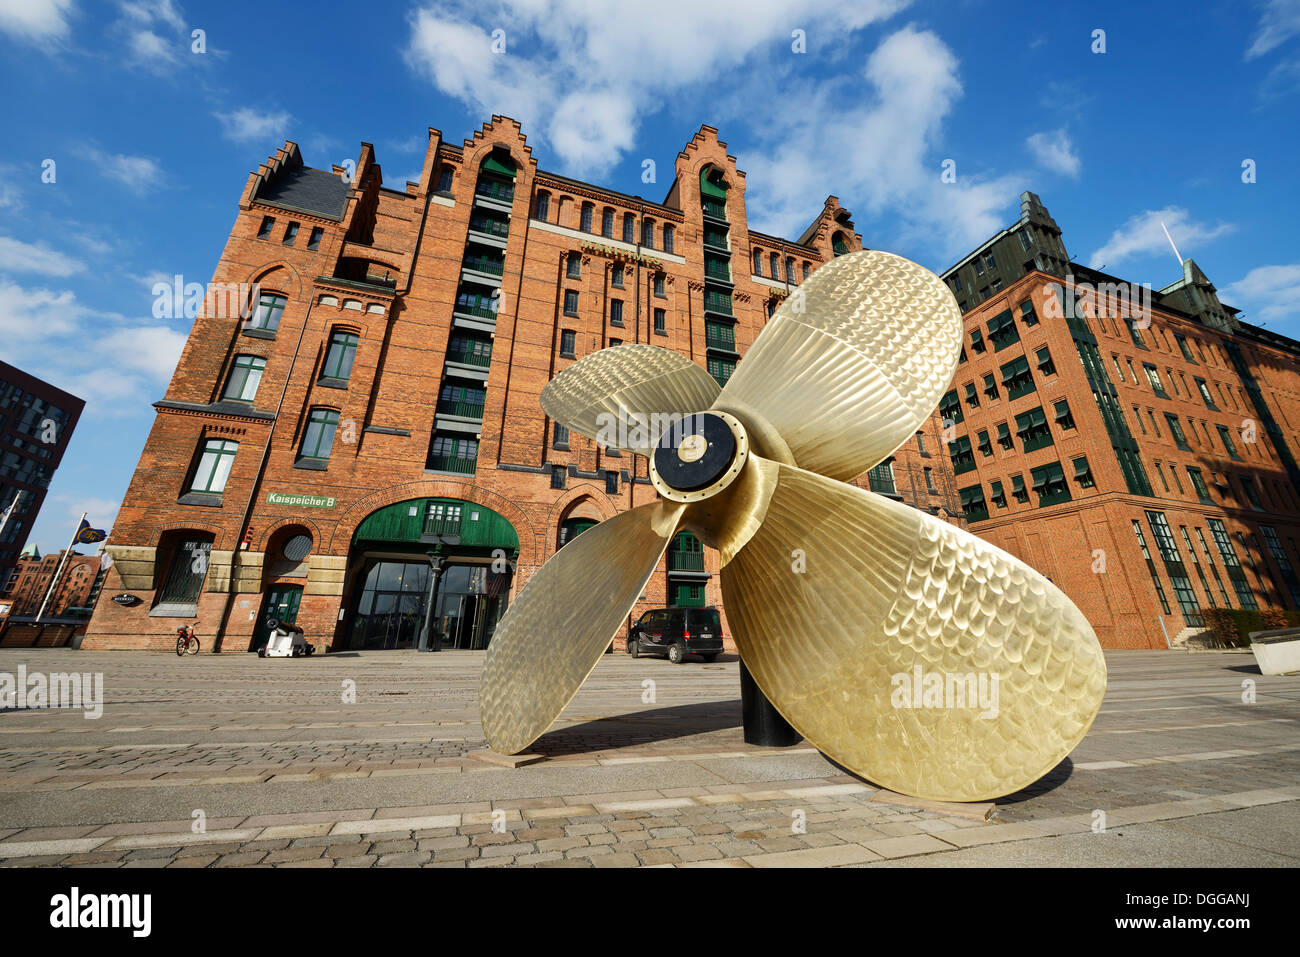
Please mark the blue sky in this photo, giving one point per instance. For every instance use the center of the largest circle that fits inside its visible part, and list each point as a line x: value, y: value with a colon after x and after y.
x: 152, y: 142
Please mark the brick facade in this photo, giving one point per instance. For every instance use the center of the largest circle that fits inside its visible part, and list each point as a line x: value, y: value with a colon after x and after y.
x: 391, y: 266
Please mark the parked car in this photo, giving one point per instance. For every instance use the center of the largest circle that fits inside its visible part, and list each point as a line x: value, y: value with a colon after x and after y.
x: 676, y: 633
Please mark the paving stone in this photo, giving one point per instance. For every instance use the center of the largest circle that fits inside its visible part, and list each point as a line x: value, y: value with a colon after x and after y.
x: 410, y: 859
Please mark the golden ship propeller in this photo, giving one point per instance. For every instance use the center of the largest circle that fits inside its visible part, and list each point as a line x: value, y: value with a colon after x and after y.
x: 839, y: 599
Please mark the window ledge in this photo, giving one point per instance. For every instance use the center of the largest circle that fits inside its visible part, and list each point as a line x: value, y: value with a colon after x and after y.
x: 332, y: 382
x: 212, y: 499
x: 315, y: 465
x: 257, y: 333
x: 175, y: 609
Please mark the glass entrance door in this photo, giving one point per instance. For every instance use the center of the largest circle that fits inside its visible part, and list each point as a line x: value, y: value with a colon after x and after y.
x: 282, y: 603
x: 391, y: 610
x: 471, y: 600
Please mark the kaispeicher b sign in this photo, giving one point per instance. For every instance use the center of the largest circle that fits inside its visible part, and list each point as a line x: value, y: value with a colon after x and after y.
x: 306, y: 501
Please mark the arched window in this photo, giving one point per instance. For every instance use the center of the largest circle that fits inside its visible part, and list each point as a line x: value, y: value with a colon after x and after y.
x: 838, y: 245
x: 668, y: 238
x: 648, y: 233
x: 587, y: 210
x: 607, y: 223
x: 775, y: 263
x: 571, y: 528
x: 758, y: 262
x: 543, y: 206
x: 629, y: 228
x: 445, y: 177
x: 789, y: 269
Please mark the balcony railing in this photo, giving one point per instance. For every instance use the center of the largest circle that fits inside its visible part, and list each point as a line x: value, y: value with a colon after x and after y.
x: 482, y: 312
x: 715, y: 209
x: 717, y: 271
x: 448, y: 463
x: 491, y: 227
x: 720, y: 339
x: 493, y: 190
x: 468, y: 410
x: 444, y: 526
x: 718, y: 304
x: 680, y: 561
x: 470, y: 357
x: 493, y: 267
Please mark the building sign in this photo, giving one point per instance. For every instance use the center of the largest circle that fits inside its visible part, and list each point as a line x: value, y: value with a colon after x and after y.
x: 306, y: 501
x: 125, y: 600
x: 603, y: 250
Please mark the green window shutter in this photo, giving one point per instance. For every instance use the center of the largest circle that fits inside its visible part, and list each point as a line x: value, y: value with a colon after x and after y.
x: 500, y: 164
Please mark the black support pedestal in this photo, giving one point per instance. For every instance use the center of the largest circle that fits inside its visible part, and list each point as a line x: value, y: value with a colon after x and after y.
x: 763, y: 723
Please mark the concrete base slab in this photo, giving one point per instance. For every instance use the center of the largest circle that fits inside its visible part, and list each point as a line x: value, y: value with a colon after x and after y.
x: 976, y: 812
x: 507, y: 760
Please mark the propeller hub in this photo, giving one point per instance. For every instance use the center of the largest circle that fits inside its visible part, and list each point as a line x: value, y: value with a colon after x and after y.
x: 699, y: 456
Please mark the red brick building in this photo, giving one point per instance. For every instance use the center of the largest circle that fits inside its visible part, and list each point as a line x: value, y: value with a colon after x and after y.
x: 375, y: 416
x: 1137, y: 446
x: 68, y: 609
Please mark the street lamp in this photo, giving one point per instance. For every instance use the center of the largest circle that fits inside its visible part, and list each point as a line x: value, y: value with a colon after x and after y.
x: 437, y: 562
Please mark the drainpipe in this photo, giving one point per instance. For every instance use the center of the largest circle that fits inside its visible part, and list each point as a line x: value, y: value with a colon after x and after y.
x: 257, y: 482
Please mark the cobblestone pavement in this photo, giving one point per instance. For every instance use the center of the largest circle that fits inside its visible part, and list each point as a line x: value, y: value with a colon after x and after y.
x: 358, y: 760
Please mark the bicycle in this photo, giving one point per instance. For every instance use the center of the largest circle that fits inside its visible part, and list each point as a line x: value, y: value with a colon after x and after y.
x: 185, y: 641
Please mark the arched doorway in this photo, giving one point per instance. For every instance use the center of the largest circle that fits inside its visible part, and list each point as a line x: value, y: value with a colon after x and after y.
x: 428, y: 572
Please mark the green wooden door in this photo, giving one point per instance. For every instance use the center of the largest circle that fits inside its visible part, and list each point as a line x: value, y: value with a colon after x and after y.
x: 282, y: 603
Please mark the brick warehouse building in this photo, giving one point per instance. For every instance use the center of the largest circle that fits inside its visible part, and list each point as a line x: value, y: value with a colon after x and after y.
x: 1146, y: 464
x: 377, y: 414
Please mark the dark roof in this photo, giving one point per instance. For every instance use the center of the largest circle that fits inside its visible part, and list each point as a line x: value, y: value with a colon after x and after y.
x: 310, y: 190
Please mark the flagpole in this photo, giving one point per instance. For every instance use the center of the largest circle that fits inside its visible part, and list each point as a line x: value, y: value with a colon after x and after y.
x: 59, y: 571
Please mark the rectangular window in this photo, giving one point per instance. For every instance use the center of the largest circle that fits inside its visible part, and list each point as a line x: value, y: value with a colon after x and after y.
x: 1004, y: 436
x: 560, y: 437
x: 721, y: 369
x: 881, y: 479
x: 997, y: 495
x: 213, y: 469
x: 453, y: 453
x: 661, y: 322
x: 1204, y: 390
x: 607, y: 224
x: 963, y: 460
x: 985, y: 444
x: 1252, y: 496
x: 1134, y: 333
x: 1153, y: 377
x: 611, y: 482
x: 1050, y: 484
x: 558, y: 475
x: 1151, y: 567
x: 585, y: 223
x: 318, y: 439
x: 659, y: 286
x: 1137, y: 414
x: 1018, y: 489
x: 648, y: 233
x: 313, y: 241
x: 1003, y: 331
x: 1064, y: 418
x: 573, y: 266
x: 973, y: 504
x: 1229, y: 555
x: 1028, y: 315
x: 568, y: 343
x: 570, y: 302
x: 950, y: 408
x: 1176, y: 430
x: 1182, y: 346
x: 1226, y: 435
x: 1198, y: 484
x: 1174, y: 567
x: 268, y: 312
x: 990, y: 386
x: 290, y: 234
x: 920, y: 445
x: 929, y: 480
x: 972, y: 398
x: 1045, y: 364
x: 616, y: 312
x: 977, y: 341
x: 616, y: 276
x: 1016, y: 378
x: 1083, y: 472
x: 264, y: 231
x: 338, y: 359
x: 245, y: 374
x: 629, y: 228
x: 1033, y: 430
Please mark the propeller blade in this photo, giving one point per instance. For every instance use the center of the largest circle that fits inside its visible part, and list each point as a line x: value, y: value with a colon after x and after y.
x: 632, y: 384
x: 908, y: 650
x: 850, y: 366
x: 559, y: 625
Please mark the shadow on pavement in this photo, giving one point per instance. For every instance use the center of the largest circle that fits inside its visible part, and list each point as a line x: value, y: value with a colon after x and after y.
x: 641, y: 727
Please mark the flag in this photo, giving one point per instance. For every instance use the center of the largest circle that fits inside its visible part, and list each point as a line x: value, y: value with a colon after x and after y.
x: 87, y: 535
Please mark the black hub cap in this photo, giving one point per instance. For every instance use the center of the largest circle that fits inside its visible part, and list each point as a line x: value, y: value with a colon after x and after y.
x: 695, y: 452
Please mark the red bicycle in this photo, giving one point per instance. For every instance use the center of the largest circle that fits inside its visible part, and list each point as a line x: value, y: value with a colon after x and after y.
x: 186, y: 643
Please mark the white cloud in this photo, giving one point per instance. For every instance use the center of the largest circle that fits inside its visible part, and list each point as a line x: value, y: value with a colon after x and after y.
x: 1267, y: 292
x: 247, y: 125
x: 882, y: 148
x: 155, y: 34
x: 112, y: 362
x: 1142, y: 235
x: 137, y: 173
x: 40, y: 21
x: 18, y: 256
x: 585, y: 80
x: 1279, y: 23
x: 1055, y: 151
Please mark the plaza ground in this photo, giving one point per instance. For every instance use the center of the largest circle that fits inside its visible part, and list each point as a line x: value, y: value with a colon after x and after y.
x: 283, y: 772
